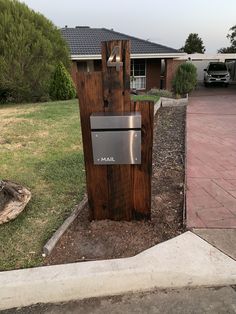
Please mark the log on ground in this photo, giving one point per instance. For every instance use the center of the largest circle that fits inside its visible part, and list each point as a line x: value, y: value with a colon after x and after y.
x: 13, y: 199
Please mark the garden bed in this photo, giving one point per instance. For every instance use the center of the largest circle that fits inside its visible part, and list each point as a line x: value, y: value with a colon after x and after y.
x: 94, y: 240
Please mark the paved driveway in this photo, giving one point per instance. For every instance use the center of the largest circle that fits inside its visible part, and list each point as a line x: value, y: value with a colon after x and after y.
x: 201, y: 90
x: 211, y: 158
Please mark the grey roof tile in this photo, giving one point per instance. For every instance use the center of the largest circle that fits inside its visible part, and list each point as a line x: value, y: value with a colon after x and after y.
x: 87, y: 41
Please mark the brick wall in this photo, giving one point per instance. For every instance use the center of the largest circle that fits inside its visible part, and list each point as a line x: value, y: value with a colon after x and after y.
x: 76, y: 67
x: 171, y: 67
x: 82, y: 66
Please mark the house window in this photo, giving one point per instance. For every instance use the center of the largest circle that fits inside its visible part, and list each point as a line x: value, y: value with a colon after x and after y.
x: 138, y: 74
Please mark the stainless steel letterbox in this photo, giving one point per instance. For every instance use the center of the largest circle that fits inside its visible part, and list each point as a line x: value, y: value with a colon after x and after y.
x: 116, y: 138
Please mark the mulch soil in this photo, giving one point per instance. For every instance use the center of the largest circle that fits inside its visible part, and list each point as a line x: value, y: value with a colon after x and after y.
x: 93, y: 240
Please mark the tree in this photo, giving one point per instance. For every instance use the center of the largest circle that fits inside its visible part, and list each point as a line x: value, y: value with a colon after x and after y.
x: 185, y: 78
x: 232, y: 38
x: 62, y: 86
x: 30, y: 47
x: 193, y: 44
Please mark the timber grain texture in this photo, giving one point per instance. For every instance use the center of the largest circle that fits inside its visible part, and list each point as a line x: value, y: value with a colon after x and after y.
x: 117, y: 192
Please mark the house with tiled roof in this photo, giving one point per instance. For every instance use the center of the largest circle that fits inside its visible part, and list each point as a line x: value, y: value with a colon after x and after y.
x: 152, y: 65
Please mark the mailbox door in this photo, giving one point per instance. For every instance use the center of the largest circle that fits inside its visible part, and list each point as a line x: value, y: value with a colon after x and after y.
x: 116, y: 147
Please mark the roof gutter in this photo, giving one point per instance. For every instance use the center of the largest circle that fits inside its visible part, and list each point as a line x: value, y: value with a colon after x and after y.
x: 133, y: 56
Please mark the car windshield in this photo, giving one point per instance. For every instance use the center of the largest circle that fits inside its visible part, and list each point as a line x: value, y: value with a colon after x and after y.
x: 217, y: 67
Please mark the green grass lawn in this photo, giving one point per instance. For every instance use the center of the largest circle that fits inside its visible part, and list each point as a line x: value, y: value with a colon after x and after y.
x: 145, y: 97
x: 41, y: 148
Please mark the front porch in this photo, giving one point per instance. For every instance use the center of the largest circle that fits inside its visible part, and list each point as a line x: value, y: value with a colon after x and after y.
x: 145, y: 73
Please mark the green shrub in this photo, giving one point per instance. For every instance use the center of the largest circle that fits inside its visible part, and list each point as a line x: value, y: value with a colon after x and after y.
x: 30, y: 48
x: 185, y: 79
x: 62, y: 86
x: 4, y: 96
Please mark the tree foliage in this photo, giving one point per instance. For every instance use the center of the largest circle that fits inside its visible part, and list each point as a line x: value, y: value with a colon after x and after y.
x: 30, y: 47
x: 62, y: 86
x: 232, y: 38
x: 185, y: 78
x: 193, y: 44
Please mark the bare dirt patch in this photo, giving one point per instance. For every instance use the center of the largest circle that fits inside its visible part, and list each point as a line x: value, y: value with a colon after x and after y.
x: 93, y: 240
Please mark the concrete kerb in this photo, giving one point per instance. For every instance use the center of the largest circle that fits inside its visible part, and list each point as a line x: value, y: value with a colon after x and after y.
x: 171, y: 102
x: 51, y: 243
x: 184, y: 261
x: 157, y: 106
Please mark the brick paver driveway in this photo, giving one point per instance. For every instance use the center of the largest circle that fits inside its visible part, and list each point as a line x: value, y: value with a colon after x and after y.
x: 211, y: 159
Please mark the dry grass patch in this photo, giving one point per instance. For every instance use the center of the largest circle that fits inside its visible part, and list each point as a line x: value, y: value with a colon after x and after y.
x: 42, y: 150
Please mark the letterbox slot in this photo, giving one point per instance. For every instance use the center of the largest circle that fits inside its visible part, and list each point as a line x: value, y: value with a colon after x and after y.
x: 104, y: 130
x: 110, y: 120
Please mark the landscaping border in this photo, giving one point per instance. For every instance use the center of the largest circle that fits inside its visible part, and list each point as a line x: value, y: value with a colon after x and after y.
x: 51, y: 243
x: 185, y: 170
x: 171, y: 102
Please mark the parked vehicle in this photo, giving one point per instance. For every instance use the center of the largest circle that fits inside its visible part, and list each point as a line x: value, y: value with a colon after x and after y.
x: 216, y: 73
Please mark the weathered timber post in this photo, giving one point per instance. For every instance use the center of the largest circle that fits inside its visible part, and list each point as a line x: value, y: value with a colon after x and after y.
x: 115, y: 191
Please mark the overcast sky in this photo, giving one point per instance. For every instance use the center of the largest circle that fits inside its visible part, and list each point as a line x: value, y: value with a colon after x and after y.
x: 167, y: 22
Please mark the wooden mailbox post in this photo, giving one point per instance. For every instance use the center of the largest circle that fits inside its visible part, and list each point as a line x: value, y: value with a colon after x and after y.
x: 117, y: 192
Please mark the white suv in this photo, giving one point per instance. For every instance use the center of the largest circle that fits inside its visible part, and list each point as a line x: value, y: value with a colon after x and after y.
x: 216, y: 73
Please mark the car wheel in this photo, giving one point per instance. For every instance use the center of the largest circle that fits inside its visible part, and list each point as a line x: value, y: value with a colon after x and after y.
x: 226, y: 84
x: 206, y: 84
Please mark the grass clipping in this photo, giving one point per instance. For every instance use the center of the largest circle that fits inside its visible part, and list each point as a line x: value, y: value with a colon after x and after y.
x: 13, y: 199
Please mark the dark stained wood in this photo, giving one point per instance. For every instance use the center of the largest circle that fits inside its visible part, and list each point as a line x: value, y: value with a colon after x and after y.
x: 118, y: 192
x: 116, y: 84
x: 90, y: 94
x: 116, y: 91
x: 142, y: 174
